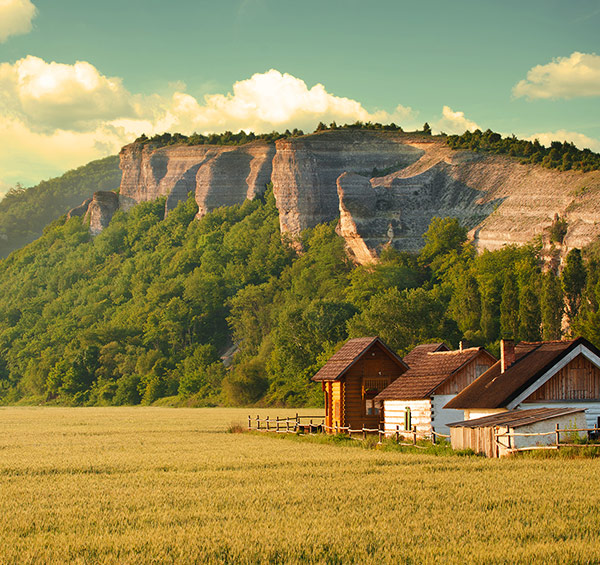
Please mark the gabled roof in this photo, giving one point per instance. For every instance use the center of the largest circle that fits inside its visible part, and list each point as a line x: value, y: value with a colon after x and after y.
x: 349, y: 354
x: 516, y: 418
x: 413, y: 357
x: 495, y: 389
x: 429, y: 368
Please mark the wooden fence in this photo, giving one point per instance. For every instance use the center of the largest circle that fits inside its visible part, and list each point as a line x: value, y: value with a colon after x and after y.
x: 592, y: 433
x: 316, y: 425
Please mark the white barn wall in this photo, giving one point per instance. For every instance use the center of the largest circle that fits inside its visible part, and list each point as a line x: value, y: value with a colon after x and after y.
x: 443, y: 416
x: 568, y: 421
x: 394, y: 415
x: 475, y: 413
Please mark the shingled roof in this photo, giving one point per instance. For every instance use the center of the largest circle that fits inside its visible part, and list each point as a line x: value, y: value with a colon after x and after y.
x: 429, y: 368
x: 516, y: 418
x: 495, y: 389
x: 349, y: 354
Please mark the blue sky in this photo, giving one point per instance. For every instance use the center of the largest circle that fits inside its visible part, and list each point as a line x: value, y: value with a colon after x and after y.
x: 78, y: 79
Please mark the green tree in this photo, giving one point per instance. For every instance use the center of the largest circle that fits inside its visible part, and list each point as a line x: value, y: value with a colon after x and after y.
x: 573, y: 282
x: 509, y: 308
x: 552, y: 307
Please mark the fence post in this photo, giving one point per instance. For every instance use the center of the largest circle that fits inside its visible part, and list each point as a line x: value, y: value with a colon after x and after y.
x: 380, y: 432
x: 414, y: 435
x: 397, y: 433
x: 323, y: 430
x: 267, y: 418
x: 311, y: 427
x: 277, y: 424
x: 364, y: 431
x: 557, y: 432
x: 257, y: 422
x: 249, y: 423
x: 337, y: 431
x: 433, y: 438
x: 297, y: 422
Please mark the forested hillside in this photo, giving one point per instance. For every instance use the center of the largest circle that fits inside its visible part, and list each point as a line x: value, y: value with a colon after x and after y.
x: 25, y: 211
x: 145, y: 309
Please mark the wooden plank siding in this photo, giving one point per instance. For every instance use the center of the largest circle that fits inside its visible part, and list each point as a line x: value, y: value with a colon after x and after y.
x: 375, y: 365
x: 463, y: 378
x: 420, y: 415
x: 579, y: 380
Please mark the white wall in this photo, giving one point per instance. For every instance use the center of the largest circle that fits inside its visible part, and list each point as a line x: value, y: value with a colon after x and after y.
x: 394, y: 414
x: 475, y: 413
x: 442, y: 417
x: 576, y: 420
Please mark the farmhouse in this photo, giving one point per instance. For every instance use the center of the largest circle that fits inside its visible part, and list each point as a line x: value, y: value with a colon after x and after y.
x: 499, y: 434
x: 353, y: 377
x: 551, y: 374
x: 436, y: 375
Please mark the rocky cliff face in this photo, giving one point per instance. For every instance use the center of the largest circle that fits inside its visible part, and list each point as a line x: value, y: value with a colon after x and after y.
x: 383, y: 186
x: 218, y: 176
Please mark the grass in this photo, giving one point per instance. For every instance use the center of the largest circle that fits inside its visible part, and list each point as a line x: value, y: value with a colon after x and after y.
x: 164, y: 485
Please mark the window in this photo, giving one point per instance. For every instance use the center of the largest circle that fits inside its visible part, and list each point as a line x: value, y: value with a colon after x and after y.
x: 370, y: 389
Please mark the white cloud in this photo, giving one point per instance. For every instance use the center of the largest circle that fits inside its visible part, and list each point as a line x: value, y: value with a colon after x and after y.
x: 565, y: 77
x: 50, y: 96
x: 55, y: 116
x: 15, y: 17
x: 454, y: 122
x: 578, y: 139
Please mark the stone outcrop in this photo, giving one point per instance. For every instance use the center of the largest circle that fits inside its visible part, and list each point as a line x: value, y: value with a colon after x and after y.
x: 79, y: 210
x: 383, y: 186
x: 218, y: 176
x: 100, y: 210
x: 305, y: 170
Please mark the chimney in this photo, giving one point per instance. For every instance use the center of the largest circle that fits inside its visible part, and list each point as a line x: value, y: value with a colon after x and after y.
x: 460, y: 345
x: 507, y: 354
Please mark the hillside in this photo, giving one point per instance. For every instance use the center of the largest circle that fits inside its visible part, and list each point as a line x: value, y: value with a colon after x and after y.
x: 25, y: 212
x: 146, y: 309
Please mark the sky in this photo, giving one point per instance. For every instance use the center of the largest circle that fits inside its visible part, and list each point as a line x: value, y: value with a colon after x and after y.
x: 80, y: 79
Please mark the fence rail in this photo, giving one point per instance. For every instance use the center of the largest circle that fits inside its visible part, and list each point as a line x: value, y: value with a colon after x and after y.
x: 316, y: 424
x: 592, y: 433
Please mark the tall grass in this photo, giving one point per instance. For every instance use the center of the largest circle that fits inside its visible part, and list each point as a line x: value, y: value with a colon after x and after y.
x: 138, y: 485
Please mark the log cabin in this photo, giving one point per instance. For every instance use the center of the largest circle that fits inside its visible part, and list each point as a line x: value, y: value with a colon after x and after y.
x: 353, y: 377
x: 552, y: 374
x: 435, y: 376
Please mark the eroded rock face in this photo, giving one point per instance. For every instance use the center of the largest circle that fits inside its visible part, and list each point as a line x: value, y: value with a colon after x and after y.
x: 101, y: 209
x: 79, y: 210
x: 337, y: 174
x: 305, y: 171
x: 218, y: 176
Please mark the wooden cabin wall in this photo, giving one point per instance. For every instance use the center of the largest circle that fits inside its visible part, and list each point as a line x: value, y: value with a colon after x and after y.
x: 395, y: 414
x: 579, y: 380
x: 337, y: 404
x: 374, y: 364
x: 463, y: 378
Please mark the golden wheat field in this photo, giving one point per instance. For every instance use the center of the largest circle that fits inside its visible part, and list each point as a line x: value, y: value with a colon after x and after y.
x: 164, y: 485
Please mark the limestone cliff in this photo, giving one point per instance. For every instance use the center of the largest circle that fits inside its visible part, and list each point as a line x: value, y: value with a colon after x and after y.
x: 218, y: 176
x: 383, y: 186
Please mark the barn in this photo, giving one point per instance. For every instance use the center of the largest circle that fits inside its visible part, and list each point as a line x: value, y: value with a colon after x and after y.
x: 499, y: 434
x: 551, y: 374
x: 353, y: 377
x: 435, y: 376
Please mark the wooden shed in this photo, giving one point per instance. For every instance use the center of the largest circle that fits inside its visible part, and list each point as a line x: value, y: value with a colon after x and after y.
x: 493, y: 435
x: 353, y: 377
x: 552, y: 374
x: 435, y: 375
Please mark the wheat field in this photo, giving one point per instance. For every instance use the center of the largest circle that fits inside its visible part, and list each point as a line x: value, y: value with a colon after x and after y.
x: 164, y: 485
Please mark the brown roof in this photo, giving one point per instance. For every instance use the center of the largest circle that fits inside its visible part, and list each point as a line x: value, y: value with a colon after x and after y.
x: 516, y: 418
x: 413, y: 357
x: 495, y: 389
x: 349, y: 354
x: 428, y: 370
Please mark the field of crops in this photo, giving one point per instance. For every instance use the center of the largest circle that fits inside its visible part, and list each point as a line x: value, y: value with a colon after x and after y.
x: 131, y: 485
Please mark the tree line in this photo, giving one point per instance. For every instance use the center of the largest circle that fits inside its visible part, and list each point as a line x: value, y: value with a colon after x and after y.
x: 563, y: 156
x: 146, y: 309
